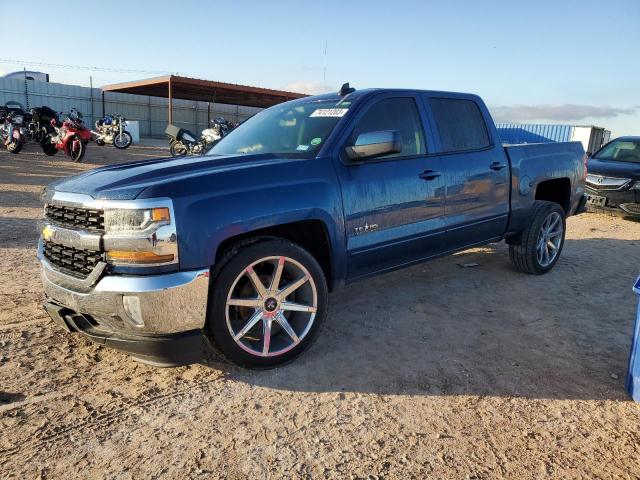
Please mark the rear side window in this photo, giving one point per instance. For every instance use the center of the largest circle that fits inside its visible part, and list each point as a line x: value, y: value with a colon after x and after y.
x: 399, y: 114
x: 460, y: 124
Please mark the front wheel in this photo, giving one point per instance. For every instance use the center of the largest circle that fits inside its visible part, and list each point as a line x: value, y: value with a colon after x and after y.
x: 266, y: 303
x: 178, y: 149
x: 77, y: 148
x: 541, y: 241
x: 122, y: 140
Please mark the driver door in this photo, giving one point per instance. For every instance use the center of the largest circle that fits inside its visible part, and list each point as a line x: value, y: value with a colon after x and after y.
x: 393, y: 204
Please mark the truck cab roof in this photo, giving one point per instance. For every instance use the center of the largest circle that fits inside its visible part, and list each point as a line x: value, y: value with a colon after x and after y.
x: 358, y: 94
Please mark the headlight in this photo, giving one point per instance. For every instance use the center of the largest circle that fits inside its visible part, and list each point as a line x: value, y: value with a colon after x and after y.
x: 140, y: 232
x: 122, y: 221
x: 636, y: 186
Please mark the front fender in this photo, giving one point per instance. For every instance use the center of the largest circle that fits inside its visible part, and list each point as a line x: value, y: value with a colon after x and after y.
x: 204, y: 222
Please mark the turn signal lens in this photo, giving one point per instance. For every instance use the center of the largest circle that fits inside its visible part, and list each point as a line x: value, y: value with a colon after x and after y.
x: 160, y: 214
x: 137, y: 258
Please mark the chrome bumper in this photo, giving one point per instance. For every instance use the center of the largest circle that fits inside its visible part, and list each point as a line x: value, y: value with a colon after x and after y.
x: 154, y: 304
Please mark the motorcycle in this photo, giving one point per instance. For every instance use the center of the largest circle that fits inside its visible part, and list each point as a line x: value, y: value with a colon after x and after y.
x: 70, y: 136
x: 38, y: 123
x: 183, y: 142
x: 11, y: 132
x: 110, y: 129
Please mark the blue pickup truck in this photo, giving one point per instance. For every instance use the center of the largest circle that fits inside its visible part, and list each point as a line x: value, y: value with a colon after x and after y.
x: 235, y: 252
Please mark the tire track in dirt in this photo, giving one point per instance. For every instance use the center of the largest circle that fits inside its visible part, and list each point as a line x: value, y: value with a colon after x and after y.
x: 23, y: 323
x: 31, y: 401
x: 118, y: 410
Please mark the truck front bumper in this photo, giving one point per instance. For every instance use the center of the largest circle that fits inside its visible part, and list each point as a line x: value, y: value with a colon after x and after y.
x: 159, y: 350
x: 157, y: 318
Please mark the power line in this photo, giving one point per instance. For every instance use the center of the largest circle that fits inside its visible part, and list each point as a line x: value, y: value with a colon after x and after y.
x: 84, y: 67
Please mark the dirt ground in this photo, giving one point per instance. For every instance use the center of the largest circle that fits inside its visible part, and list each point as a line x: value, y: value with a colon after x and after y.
x: 437, y: 371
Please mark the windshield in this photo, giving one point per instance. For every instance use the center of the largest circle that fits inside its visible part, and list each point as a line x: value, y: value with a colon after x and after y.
x: 620, y: 151
x: 292, y: 129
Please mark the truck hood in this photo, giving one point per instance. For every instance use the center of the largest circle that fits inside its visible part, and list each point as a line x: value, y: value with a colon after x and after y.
x: 128, y: 180
x: 609, y: 168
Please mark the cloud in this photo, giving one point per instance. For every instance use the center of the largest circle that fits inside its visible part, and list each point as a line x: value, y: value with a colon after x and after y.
x: 311, y: 88
x: 564, y: 113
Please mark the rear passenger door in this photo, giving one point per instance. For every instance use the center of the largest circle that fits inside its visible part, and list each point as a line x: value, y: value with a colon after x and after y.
x: 475, y: 170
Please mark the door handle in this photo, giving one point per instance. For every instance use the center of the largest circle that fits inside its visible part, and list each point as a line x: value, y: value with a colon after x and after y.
x: 497, y: 166
x: 429, y: 175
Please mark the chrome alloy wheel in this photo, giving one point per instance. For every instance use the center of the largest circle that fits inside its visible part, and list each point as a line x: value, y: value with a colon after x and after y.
x: 271, y: 306
x: 549, y: 239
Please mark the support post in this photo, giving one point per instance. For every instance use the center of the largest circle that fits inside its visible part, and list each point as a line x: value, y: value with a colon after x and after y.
x: 149, y: 113
x: 170, y: 102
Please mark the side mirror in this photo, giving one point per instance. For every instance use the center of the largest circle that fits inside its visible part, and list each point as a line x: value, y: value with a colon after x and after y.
x: 375, y: 144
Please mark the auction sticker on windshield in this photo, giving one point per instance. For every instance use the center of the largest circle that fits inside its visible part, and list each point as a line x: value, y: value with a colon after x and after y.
x: 329, y: 112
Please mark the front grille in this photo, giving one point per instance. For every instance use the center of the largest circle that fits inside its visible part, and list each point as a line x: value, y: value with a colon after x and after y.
x: 73, y: 261
x: 76, y: 218
x: 599, y: 182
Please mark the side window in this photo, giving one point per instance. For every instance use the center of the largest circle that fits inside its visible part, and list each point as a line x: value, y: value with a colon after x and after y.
x: 399, y: 114
x: 460, y: 124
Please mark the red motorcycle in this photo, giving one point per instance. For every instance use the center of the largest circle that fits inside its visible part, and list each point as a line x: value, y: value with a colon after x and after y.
x: 70, y: 136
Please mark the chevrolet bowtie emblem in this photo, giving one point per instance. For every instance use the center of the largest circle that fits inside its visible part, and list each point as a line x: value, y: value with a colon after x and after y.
x: 48, y: 233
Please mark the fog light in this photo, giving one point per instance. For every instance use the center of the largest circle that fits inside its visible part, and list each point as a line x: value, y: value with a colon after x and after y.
x: 132, y: 308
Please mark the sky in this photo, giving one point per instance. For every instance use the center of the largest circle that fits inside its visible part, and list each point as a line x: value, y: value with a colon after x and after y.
x: 561, y: 61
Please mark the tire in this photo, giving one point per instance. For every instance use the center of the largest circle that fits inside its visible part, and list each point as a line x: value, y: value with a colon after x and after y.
x: 122, y: 141
x: 304, y: 309
x: 14, y: 146
x: 48, y: 148
x: 81, y: 147
x: 178, y: 149
x: 528, y: 255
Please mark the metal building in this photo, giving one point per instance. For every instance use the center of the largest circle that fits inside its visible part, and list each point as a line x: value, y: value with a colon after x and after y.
x: 591, y: 137
x: 186, y: 88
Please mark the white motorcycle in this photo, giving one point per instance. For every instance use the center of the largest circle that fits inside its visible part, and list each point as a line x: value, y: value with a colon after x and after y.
x: 183, y: 142
x: 110, y: 130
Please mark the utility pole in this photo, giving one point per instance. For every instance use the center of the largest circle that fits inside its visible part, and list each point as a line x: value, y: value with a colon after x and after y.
x: 26, y: 88
x: 324, y: 67
x: 91, y: 98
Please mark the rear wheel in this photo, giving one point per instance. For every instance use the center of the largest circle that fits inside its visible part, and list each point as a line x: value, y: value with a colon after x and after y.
x: 122, y: 140
x: 14, y: 146
x: 178, y: 149
x: 541, y: 241
x: 266, y: 303
x: 48, y: 147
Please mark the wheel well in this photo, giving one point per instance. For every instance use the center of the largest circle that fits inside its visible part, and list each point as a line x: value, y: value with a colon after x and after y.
x: 312, y: 235
x: 557, y: 190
